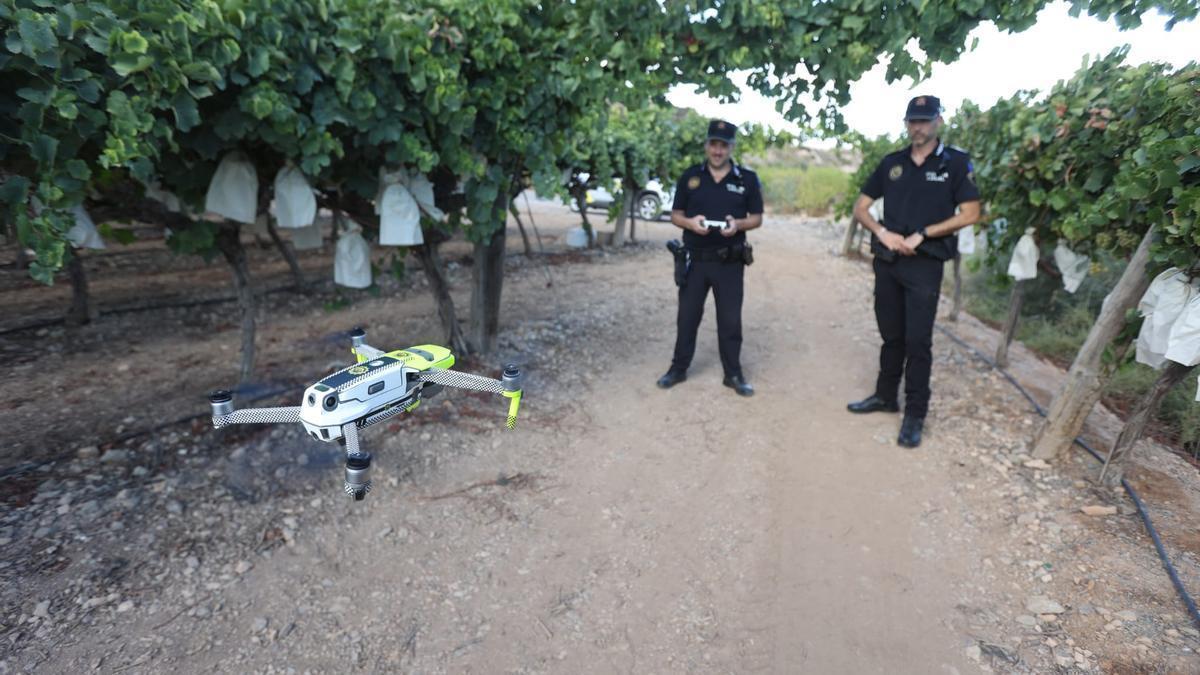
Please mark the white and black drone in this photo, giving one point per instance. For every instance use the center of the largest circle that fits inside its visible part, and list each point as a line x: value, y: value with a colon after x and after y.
x: 379, y: 386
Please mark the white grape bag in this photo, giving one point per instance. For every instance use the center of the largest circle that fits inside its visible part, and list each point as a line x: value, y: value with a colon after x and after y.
x: 399, y: 218
x: 422, y: 191
x: 233, y: 192
x: 876, y: 209
x: 1183, y: 341
x: 1161, y: 304
x: 83, y: 233
x: 352, y: 261
x: 966, y: 240
x: 577, y: 237
x: 1074, y: 267
x: 295, y: 205
x: 1025, y: 257
x: 307, y: 238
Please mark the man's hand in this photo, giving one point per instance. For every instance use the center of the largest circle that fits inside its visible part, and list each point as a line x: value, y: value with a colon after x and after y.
x: 731, y: 227
x: 697, y: 225
x: 893, y: 242
x: 911, y: 242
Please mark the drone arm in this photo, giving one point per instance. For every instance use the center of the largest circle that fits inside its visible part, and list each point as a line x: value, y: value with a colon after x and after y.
x: 514, y: 403
x: 362, y: 351
x: 257, y: 416
x: 365, y: 352
x: 509, y: 386
x: 350, y: 433
x: 459, y: 380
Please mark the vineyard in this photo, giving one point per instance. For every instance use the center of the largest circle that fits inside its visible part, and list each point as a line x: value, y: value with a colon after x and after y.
x: 174, y: 176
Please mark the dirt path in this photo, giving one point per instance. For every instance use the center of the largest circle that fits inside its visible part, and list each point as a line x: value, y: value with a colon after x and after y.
x: 630, y: 529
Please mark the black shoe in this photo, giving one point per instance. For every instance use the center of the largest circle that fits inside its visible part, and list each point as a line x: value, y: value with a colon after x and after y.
x: 672, y: 378
x: 872, y: 404
x: 910, y: 431
x: 740, y: 385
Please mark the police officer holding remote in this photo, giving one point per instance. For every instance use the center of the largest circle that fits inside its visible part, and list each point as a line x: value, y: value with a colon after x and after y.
x: 922, y: 186
x: 716, y: 203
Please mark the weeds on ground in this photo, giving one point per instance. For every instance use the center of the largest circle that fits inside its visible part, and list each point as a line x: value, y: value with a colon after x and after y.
x: 802, y: 189
x: 1055, y: 324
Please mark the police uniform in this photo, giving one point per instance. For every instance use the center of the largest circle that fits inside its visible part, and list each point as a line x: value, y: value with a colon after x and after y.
x: 907, y: 287
x: 717, y: 262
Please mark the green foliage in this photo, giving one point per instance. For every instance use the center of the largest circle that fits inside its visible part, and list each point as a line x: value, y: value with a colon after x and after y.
x: 872, y: 151
x: 801, y: 189
x: 159, y: 90
x: 1097, y: 161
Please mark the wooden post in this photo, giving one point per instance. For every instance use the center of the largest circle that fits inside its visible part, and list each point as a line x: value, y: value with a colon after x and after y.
x: 957, y: 287
x: 1114, y: 464
x: 1010, y: 323
x: 1085, y: 380
x: 848, y: 242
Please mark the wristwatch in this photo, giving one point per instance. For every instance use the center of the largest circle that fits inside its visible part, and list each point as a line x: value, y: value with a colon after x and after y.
x: 923, y: 233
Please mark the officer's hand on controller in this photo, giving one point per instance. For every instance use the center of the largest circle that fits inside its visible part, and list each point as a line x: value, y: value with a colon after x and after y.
x: 698, y: 226
x: 731, y: 227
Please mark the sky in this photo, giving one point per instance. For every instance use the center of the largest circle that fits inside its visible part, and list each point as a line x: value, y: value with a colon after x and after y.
x: 1001, y: 64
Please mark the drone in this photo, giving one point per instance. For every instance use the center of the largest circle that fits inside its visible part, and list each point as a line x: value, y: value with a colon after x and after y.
x: 379, y: 386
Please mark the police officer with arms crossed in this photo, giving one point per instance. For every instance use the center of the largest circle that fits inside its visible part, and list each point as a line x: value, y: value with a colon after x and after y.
x: 716, y: 202
x: 921, y: 185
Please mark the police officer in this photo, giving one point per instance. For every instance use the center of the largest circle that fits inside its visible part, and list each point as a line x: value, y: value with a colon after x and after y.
x: 716, y: 190
x: 922, y: 186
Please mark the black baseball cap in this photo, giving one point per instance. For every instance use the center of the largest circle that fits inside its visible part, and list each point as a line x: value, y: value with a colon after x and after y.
x: 721, y: 130
x: 923, y: 108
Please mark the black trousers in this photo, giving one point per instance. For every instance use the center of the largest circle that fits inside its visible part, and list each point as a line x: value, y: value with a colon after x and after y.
x: 725, y: 280
x: 906, y: 300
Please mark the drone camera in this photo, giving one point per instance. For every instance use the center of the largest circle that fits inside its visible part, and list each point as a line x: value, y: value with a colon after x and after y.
x: 330, y: 402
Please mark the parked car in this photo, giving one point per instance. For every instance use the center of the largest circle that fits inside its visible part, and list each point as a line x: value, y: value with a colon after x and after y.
x: 651, y: 203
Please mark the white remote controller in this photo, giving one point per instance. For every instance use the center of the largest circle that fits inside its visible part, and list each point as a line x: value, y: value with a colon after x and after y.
x: 716, y: 224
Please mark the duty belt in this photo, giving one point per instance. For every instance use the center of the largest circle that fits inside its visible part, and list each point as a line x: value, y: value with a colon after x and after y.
x: 721, y: 254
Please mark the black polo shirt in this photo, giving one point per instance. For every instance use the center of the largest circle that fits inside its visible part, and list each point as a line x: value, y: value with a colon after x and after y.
x: 697, y: 194
x: 920, y: 196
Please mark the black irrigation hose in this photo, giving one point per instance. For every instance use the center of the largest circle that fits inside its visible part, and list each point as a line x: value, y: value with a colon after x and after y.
x: 1137, y: 501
